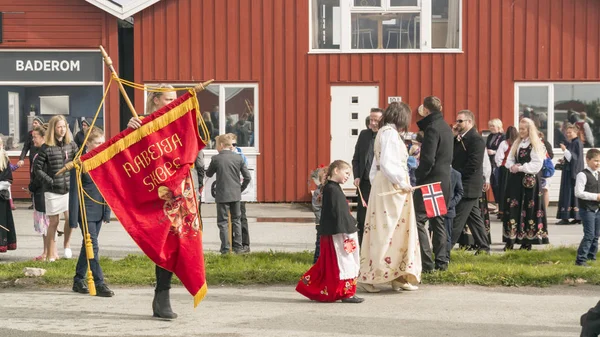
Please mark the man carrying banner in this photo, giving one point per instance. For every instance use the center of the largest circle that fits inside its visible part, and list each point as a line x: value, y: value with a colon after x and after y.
x: 436, y: 158
x: 469, y: 149
x: 161, y: 305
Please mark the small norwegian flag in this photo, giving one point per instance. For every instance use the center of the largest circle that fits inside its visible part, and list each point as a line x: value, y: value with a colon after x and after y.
x: 433, y: 197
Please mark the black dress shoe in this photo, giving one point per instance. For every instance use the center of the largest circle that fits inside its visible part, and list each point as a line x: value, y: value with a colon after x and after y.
x: 482, y: 252
x: 509, y: 246
x: 353, y: 299
x: 525, y: 247
x: 441, y: 267
x: 563, y: 222
x: 575, y: 222
x: 80, y: 287
x: 30, y: 207
x: 103, y: 291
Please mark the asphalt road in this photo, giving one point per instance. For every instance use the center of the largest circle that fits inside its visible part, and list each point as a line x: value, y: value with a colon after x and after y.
x: 280, y: 311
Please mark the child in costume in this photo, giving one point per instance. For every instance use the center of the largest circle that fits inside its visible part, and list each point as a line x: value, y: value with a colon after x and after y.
x: 334, y: 275
x: 318, y: 176
x: 587, y: 190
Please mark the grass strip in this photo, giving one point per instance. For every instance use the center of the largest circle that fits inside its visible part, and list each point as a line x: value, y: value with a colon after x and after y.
x: 553, y: 266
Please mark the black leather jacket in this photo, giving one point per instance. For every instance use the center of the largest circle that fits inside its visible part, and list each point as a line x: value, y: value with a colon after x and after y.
x: 50, y: 160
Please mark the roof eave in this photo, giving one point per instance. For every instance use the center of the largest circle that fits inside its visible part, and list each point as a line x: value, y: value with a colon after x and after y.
x: 125, y: 11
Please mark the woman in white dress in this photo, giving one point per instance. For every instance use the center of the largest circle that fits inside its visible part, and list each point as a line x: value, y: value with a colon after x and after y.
x: 390, y: 249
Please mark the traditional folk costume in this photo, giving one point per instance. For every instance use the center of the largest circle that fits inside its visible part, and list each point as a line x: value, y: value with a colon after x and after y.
x: 502, y: 174
x: 334, y: 275
x: 390, y: 243
x: 8, y: 239
x: 493, y: 143
x: 524, y: 219
x: 568, y: 205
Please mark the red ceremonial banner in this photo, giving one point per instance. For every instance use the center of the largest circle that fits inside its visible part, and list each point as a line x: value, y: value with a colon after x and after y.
x: 144, y: 176
x: 433, y: 197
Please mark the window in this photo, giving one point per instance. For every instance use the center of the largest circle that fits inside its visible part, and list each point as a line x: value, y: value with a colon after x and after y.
x: 229, y: 108
x: 553, y: 105
x: 385, y: 25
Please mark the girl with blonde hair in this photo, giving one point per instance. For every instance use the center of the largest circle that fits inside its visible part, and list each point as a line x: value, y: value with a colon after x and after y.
x: 8, y: 237
x: 58, y: 150
x: 524, y: 220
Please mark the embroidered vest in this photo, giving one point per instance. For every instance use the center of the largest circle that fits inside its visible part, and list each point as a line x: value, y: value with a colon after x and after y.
x: 592, y: 186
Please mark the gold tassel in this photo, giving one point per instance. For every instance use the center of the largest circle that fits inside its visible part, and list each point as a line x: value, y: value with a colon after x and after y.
x: 91, y: 284
x: 89, y: 249
x: 200, y: 294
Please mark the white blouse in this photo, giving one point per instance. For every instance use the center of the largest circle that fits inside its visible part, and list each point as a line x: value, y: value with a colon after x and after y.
x: 392, y: 160
x: 499, y: 157
x: 487, y: 168
x: 532, y: 167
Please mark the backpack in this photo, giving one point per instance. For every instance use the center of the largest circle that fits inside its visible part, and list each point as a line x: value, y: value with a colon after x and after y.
x: 547, y: 167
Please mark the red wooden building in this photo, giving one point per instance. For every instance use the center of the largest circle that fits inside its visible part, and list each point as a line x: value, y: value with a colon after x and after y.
x: 295, y: 79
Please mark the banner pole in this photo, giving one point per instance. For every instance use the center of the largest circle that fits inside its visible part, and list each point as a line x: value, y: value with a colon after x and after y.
x: 109, y: 64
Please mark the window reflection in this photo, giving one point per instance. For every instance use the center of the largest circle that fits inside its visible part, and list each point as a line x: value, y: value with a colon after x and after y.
x: 445, y: 24
x: 533, y: 104
x: 385, y: 31
x: 578, y: 104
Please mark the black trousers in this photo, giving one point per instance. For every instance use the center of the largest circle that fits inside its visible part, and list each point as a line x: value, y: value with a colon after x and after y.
x: 163, y: 279
x: 440, y: 242
x: 244, y: 219
x: 468, y: 212
x: 590, y: 322
x: 361, y: 211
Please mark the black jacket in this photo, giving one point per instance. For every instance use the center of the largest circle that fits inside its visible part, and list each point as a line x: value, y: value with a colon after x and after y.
x: 361, y: 149
x: 335, y: 212
x: 468, y: 160
x: 93, y: 211
x: 436, y: 155
x: 50, y: 160
x: 457, y: 193
x: 36, y: 187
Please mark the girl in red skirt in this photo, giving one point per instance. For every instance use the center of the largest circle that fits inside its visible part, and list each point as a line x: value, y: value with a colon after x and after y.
x: 334, y: 275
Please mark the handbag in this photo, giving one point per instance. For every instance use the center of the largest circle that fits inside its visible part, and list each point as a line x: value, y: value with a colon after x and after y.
x: 4, y: 195
x: 560, y: 165
x: 547, y: 168
x: 529, y: 180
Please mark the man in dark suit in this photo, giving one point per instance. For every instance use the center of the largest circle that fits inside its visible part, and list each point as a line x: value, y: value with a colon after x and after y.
x: 436, y: 158
x: 361, y: 165
x: 469, y: 149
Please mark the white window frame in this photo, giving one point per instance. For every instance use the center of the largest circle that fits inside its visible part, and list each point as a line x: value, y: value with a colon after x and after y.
x: 347, y: 8
x: 252, y: 150
x: 550, y: 122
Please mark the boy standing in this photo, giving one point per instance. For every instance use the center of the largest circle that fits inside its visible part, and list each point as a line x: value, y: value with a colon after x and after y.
x: 587, y: 190
x: 228, y: 166
x: 245, y: 231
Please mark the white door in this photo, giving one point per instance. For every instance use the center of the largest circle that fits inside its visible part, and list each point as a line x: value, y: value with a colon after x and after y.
x: 350, y: 106
x: 13, y: 116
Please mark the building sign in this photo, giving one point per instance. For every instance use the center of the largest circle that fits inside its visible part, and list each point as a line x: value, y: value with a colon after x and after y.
x: 394, y: 99
x: 50, y: 66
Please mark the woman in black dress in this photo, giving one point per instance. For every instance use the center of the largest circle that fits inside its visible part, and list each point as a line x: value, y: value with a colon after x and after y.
x: 524, y: 220
x: 492, y: 143
x: 501, y: 171
x: 568, y: 205
x: 8, y: 237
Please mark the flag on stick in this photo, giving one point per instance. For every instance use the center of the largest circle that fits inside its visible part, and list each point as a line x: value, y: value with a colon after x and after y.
x: 433, y: 197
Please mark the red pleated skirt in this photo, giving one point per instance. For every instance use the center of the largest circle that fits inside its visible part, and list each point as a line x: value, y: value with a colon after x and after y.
x: 322, y: 281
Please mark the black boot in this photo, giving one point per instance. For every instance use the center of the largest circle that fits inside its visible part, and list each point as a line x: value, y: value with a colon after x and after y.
x: 161, y: 305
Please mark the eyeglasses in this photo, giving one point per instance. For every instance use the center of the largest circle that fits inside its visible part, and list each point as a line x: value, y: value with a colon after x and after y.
x: 460, y: 121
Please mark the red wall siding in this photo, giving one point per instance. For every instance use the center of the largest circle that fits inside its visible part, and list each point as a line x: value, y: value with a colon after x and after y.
x: 266, y: 41
x: 61, y: 24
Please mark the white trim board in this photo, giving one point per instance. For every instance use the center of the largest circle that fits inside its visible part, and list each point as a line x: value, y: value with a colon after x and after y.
x: 122, y: 11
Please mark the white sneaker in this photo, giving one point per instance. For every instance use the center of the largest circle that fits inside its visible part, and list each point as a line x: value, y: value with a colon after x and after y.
x: 367, y: 288
x: 68, y: 253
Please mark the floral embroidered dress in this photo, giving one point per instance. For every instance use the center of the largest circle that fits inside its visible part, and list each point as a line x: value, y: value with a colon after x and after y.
x: 524, y: 219
x: 333, y: 277
x: 390, y: 247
